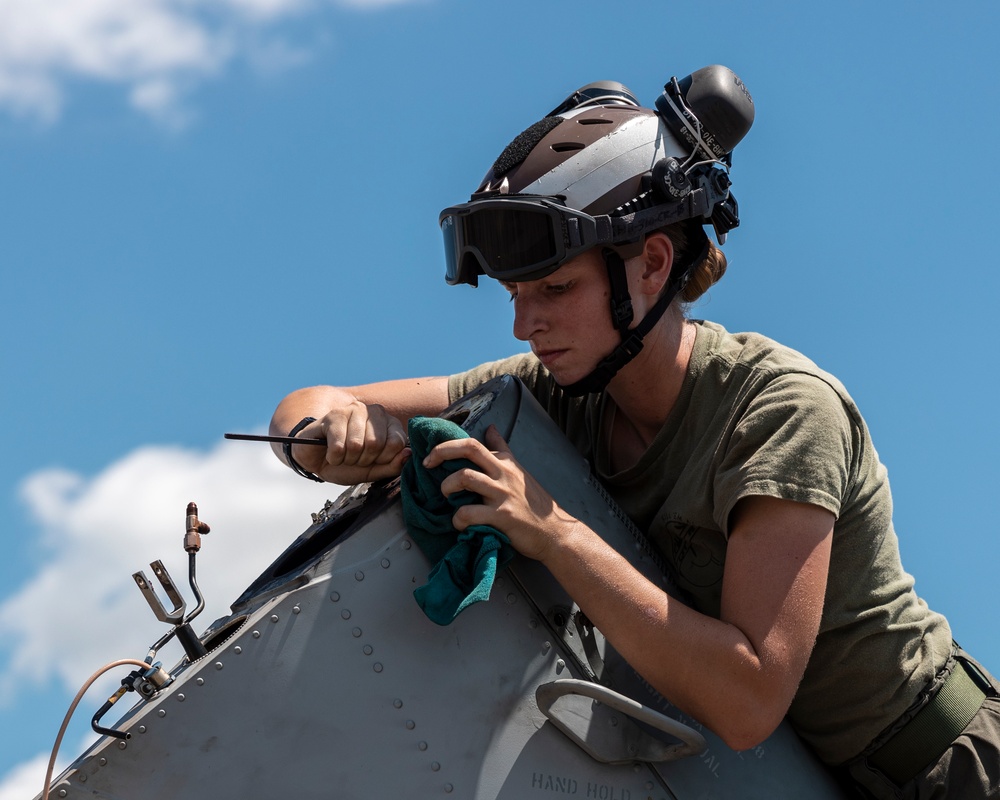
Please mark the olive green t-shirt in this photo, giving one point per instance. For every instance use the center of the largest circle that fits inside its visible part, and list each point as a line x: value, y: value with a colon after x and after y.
x: 757, y: 418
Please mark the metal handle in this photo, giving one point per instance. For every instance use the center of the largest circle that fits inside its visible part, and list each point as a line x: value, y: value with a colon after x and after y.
x: 595, y: 728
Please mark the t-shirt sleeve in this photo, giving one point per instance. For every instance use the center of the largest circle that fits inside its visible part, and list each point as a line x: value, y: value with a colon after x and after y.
x: 793, y: 440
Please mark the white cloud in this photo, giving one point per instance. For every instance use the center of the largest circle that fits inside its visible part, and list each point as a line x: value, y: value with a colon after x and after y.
x: 96, y: 532
x: 82, y: 609
x: 157, y: 50
x: 25, y: 780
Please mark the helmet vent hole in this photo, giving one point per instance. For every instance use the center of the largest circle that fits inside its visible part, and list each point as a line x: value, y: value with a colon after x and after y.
x: 565, y: 147
x: 595, y: 121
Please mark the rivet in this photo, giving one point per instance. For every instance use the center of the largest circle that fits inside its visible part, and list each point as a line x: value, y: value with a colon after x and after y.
x: 532, y: 623
x: 345, y: 614
x: 448, y: 788
x: 500, y: 582
x: 335, y: 596
x: 560, y: 665
x: 142, y: 729
x: 256, y: 634
x: 385, y: 563
x: 122, y: 744
x: 237, y: 649
x: 367, y: 649
x: 546, y: 646
x: 410, y: 724
x: 83, y: 777
x: 422, y: 746
x: 62, y: 792
x: 377, y: 667
x: 218, y: 665
x: 649, y: 786
x: 296, y: 609
x: 274, y: 618
x: 180, y: 697
x: 356, y: 633
x: 162, y: 712
x: 397, y: 703
x: 200, y: 681
x: 103, y: 762
x: 359, y: 575
x: 614, y: 722
x: 435, y: 766
x: 407, y: 544
x: 511, y: 599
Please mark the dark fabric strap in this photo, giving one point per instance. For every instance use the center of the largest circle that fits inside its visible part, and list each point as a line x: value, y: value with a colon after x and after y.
x: 287, y: 449
x: 928, y: 734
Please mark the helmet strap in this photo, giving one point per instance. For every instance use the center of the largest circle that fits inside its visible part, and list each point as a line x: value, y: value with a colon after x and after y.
x: 621, y: 301
x: 622, y: 314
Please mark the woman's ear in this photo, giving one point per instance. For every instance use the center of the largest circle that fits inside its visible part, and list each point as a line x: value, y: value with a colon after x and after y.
x: 657, y: 261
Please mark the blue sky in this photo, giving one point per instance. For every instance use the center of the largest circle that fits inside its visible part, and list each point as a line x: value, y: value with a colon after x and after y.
x: 205, y: 205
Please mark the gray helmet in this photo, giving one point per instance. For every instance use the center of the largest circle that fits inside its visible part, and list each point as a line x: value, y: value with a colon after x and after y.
x: 601, y: 171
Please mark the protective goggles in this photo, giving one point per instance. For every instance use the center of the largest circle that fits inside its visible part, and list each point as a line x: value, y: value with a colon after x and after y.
x: 519, y: 238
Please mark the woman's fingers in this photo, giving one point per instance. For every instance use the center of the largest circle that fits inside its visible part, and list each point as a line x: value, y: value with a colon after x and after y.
x: 359, y: 435
x: 364, y: 443
x: 393, y: 442
x: 469, y: 449
x: 471, y: 480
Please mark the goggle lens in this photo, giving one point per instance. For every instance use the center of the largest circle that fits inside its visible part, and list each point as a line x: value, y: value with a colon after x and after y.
x: 511, y: 241
x: 504, y: 240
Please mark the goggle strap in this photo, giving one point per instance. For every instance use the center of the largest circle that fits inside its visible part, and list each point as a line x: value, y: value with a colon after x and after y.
x: 638, y: 223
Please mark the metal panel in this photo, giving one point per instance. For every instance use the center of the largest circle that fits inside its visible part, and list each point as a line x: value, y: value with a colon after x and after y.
x: 329, y: 682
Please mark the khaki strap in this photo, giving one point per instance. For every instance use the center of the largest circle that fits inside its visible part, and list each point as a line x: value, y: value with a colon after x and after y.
x: 932, y: 729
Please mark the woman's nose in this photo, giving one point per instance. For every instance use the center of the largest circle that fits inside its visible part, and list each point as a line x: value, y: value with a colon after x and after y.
x: 527, y: 321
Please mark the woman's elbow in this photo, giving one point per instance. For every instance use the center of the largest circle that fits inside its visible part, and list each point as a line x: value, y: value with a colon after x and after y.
x: 749, y: 719
x: 739, y: 736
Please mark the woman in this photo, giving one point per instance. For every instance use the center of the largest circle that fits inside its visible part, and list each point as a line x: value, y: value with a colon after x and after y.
x: 749, y: 467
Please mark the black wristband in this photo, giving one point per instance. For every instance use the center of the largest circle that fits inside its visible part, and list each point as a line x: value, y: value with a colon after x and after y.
x: 287, y: 449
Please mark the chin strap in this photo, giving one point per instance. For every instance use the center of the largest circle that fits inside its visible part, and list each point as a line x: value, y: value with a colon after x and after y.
x: 622, y: 315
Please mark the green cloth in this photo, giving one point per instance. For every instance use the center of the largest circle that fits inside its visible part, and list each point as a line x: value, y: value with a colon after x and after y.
x: 465, y: 562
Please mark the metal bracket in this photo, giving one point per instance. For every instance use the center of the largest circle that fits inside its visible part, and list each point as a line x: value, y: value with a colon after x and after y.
x: 173, y: 617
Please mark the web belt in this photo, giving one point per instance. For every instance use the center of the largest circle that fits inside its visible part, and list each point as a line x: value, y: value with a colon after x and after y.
x: 929, y: 732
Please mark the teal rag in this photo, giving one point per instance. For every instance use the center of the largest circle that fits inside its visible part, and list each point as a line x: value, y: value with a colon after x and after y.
x: 465, y: 562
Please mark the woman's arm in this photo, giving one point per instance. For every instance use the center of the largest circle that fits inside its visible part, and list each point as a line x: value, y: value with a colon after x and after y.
x: 737, y: 674
x: 364, y: 426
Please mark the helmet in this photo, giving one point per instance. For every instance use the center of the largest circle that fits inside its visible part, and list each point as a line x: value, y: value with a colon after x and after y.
x: 601, y: 171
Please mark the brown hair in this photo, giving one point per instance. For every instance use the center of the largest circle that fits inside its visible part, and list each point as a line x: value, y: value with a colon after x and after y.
x: 688, y: 239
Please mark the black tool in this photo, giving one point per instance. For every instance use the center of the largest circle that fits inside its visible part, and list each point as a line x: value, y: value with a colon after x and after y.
x: 252, y: 437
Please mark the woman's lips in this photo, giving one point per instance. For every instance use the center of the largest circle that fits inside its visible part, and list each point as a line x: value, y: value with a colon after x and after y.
x: 548, y: 357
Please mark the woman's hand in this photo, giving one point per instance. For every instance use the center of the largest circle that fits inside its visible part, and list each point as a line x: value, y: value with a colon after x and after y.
x: 364, y: 443
x: 363, y: 427
x: 513, y: 501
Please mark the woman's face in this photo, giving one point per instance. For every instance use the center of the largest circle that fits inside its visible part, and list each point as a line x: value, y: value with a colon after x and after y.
x: 566, y: 318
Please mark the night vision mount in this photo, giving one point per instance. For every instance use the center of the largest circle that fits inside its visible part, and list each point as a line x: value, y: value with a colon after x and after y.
x: 710, y: 111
